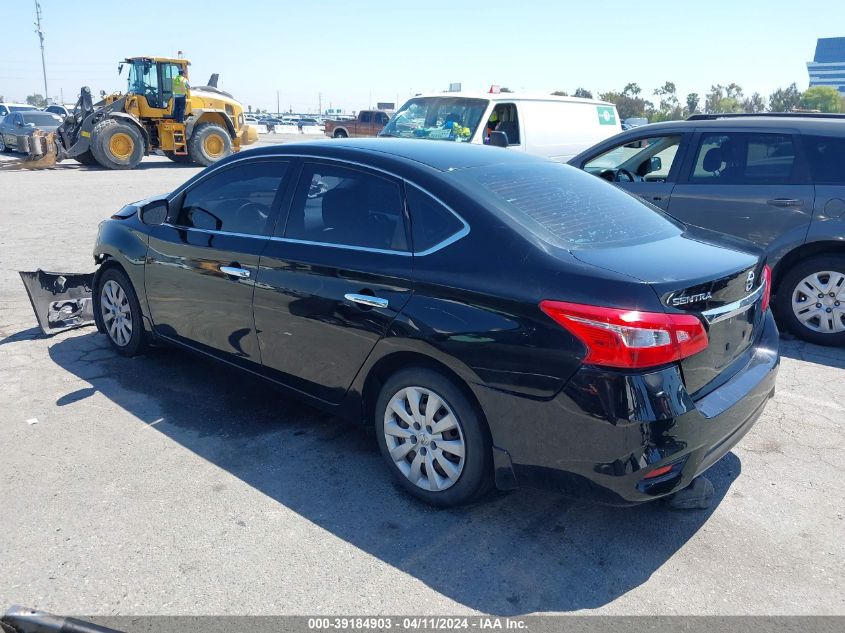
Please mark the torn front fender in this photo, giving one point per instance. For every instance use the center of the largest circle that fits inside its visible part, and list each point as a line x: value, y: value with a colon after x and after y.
x: 62, y: 301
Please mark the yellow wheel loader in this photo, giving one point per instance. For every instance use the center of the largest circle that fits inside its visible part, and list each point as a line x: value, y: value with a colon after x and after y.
x: 120, y: 130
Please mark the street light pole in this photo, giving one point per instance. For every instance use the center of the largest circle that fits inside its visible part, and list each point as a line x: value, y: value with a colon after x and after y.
x: 41, y: 37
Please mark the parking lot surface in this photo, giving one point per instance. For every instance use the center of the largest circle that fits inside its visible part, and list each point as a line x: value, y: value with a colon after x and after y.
x: 167, y: 484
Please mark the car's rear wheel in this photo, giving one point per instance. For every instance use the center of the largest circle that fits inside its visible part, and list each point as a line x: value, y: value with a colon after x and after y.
x: 340, y: 134
x: 120, y: 312
x: 811, y: 300
x: 432, y: 438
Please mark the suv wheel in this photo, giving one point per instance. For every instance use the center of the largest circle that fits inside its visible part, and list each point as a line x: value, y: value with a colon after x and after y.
x: 432, y: 438
x: 811, y: 300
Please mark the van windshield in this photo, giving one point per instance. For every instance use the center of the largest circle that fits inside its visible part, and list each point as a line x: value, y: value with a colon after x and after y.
x: 440, y: 118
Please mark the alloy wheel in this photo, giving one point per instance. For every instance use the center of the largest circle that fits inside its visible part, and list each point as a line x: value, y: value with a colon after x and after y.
x: 116, y: 313
x: 424, y: 438
x: 818, y: 302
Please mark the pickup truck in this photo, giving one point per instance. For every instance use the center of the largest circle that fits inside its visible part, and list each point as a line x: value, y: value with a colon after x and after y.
x: 368, y: 123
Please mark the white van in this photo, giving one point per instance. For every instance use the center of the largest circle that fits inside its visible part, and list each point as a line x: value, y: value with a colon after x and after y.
x: 548, y: 126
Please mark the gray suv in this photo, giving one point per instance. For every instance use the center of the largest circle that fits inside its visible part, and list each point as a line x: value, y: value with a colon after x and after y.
x: 777, y: 180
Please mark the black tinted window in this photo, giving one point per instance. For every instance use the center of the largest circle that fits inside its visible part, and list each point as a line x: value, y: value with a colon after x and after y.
x: 735, y: 159
x: 337, y: 205
x: 431, y: 222
x: 571, y: 208
x: 826, y: 156
x: 236, y: 200
x: 366, y: 117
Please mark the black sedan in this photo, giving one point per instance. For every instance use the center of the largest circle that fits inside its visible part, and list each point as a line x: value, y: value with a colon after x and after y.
x: 497, y: 318
x: 23, y: 124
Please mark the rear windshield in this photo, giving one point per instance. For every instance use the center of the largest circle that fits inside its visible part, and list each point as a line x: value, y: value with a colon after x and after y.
x: 569, y: 208
x: 40, y: 118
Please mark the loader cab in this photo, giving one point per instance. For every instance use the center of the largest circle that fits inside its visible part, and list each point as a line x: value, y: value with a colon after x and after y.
x: 152, y: 79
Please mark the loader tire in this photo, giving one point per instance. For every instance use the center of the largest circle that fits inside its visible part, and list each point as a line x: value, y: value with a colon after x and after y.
x: 87, y: 158
x: 179, y: 158
x: 117, y: 145
x: 209, y: 143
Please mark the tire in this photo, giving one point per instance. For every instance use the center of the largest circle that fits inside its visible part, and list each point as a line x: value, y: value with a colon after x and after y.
x: 117, y: 145
x: 209, y: 143
x: 459, y: 479
x: 87, y: 158
x: 340, y: 134
x: 118, y: 308
x: 179, y: 158
x: 808, y: 316
x: 3, y: 147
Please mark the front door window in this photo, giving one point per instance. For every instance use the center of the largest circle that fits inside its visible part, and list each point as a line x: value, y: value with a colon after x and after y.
x: 646, y: 159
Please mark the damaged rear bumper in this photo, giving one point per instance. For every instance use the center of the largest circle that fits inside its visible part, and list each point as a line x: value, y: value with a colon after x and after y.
x: 61, y: 301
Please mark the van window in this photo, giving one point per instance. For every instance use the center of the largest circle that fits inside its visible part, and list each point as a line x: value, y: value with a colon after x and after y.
x: 569, y: 208
x: 438, y: 118
x: 504, y: 119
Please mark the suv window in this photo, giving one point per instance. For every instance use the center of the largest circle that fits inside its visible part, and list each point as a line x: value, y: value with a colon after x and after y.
x: 339, y: 205
x: 431, y: 222
x: 826, y: 156
x: 745, y: 159
x: 235, y: 200
x: 366, y: 117
x: 650, y: 158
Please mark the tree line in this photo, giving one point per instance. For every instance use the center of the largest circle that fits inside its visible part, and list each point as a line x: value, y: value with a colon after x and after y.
x: 668, y: 106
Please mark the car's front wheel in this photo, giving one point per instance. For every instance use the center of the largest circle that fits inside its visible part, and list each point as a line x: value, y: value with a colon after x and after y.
x: 811, y: 300
x: 432, y: 438
x: 120, y: 312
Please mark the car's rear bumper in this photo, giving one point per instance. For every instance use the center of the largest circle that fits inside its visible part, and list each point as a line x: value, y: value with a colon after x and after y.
x: 606, y: 431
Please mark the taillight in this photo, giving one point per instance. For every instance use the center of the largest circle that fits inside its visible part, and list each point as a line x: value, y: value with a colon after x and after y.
x: 629, y: 338
x: 767, y: 291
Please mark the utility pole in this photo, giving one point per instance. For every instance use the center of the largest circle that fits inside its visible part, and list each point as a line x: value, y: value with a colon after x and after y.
x: 277, y: 103
x: 319, y: 103
x: 41, y: 37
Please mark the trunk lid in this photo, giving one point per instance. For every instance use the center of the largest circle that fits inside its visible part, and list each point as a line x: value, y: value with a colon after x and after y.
x: 703, y: 275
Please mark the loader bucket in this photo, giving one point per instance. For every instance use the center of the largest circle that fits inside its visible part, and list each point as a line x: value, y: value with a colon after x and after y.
x: 41, y: 151
x: 62, y: 301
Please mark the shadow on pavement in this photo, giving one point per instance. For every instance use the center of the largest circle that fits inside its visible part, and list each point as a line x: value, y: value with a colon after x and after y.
x: 818, y: 354
x: 514, y: 554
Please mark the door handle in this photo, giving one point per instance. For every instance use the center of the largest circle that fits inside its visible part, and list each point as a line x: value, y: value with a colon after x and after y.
x: 785, y: 202
x: 367, y: 300
x: 235, y: 271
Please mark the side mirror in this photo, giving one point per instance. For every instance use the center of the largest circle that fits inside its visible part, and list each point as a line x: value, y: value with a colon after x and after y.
x: 155, y: 213
x: 656, y: 164
x: 498, y: 139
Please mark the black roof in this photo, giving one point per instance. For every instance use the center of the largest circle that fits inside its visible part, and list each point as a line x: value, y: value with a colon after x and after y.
x: 808, y: 123
x: 440, y: 155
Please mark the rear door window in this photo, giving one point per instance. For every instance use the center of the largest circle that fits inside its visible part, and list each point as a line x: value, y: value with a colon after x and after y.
x: 347, y: 207
x: 826, y: 156
x: 743, y: 158
x: 432, y: 224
